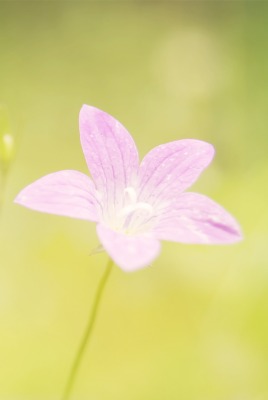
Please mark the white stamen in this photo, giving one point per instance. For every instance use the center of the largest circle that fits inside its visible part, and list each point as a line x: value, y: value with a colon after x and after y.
x: 131, y: 192
x: 138, y: 206
x: 133, y: 216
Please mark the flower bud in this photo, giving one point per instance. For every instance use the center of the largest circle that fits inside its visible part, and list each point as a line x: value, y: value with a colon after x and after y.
x: 6, y: 140
x: 6, y: 148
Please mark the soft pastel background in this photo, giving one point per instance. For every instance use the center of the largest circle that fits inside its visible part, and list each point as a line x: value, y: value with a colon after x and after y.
x: 194, y: 326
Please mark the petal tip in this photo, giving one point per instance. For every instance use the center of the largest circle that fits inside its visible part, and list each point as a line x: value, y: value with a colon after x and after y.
x: 19, y: 199
x: 84, y: 106
x: 205, y: 147
x: 209, y: 152
x: 88, y: 113
x: 212, y: 149
x: 84, y: 109
x: 209, y: 149
x: 239, y: 236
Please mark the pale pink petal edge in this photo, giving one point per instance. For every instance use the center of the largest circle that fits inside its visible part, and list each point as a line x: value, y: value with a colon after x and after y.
x: 195, y: 218
x: 172, y: 167
x: 130, y: 253
x: 66, y: 193
x: 109, y: 149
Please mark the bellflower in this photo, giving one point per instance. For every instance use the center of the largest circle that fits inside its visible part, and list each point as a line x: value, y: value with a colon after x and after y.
x: 135, y: 206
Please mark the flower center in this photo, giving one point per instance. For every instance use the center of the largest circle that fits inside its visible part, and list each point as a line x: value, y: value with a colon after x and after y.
x: 133, y: 216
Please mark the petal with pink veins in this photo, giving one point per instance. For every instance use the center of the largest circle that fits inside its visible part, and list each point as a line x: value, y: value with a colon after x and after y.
x: 69, y: 193
x: 129, y: 252
x: 171, y: 168
x: 110, y: 152
x: 194, y: 218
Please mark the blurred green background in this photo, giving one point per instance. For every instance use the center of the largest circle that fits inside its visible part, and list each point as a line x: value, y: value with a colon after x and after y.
x: 194, y: 326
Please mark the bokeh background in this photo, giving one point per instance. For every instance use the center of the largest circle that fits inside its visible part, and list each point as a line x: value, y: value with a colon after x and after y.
x: 194, y: 326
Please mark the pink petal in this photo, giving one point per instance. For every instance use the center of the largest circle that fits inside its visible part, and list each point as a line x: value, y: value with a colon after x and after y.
x: 68, y: 193
x: 171, y: 168
x: 195, y: 218
x: 110, y: 151
x: 129, y: 252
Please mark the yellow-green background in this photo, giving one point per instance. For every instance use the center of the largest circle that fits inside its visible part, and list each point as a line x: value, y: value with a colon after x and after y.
x: 194, y: 326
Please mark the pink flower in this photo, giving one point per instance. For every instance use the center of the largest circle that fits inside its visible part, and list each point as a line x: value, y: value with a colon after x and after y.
x: 135, y: 206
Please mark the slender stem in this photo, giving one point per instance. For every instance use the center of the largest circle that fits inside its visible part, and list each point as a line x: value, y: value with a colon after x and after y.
x: 88, y: 332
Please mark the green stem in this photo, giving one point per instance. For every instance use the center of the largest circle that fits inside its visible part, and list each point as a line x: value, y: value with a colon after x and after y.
x: 87, y: 335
